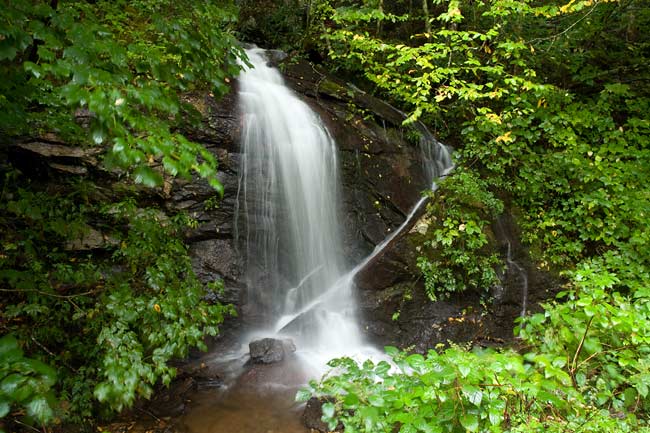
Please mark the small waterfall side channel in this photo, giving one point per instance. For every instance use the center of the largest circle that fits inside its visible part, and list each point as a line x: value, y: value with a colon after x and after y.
x: 288, y: 225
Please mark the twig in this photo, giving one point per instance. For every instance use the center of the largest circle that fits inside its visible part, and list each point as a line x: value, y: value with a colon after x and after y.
x: 53, y: 295
x: 593, y: 8
x: 49, y: 352
x: 593, y: 355
x: 146, y: 412
x: 28, y: 426
x: 579, y: 349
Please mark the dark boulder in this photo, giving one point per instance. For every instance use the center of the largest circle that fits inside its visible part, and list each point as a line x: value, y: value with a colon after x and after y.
x: 270, y: 350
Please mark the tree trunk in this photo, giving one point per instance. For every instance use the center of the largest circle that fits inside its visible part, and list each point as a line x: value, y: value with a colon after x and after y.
x: 427, y: 22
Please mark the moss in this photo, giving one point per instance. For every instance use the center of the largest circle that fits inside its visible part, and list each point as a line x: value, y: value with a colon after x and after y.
x: 333, y: 89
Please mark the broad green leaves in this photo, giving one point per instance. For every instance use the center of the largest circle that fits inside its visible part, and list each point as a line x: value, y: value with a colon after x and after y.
x: 25, y: 382
x: 115, y: 320
x: 123, y: 67
x: 435, y: 393
x: 579, y: 369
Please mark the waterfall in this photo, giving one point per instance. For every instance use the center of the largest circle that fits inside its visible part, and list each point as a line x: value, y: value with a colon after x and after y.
x: 290, y: 198
x: 288, y: 216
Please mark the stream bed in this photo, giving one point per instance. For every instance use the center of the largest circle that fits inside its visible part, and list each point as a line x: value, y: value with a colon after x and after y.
x: 244, y: 411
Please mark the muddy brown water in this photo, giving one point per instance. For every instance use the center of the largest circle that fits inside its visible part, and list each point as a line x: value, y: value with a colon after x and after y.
x: 244, y: 411
x: 260, y: 399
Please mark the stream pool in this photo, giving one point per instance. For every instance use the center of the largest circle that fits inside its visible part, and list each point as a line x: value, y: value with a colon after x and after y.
x: 244, y: 411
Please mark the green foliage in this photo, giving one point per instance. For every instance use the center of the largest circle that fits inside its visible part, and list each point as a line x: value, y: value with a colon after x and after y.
x: 25, y: 382
x: 605, y: 336
x: 273, y: 24
x: 587, y: 370
x: 550, y: 100
x: 575, y: 168
x: 121, y: 67
x: 455, y: 246
x: 453, y: 391
x: 109, y: 322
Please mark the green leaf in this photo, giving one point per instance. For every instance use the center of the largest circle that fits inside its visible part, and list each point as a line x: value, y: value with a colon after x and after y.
x: 214, y: 183
x: 376, y: 400
x: 102, y: 391
x: 495, y: 413
x: 146, y: 176
x: 391, y: 351
x: 473, y: 394
x: 9, y: 349
x: 11, y: 385
x: 328, y: 410
x: 415, y: 361
x: 40, y: 409
x: 642, y: 388
x: 469, y: 421
x: 171, y: 165
x: 47, y: 373
x: 465, y: 370
x: 7, y: 51
x: 99, y: 135
x: 303, y: 395
x: 5, y: 407
x: 382, y: 368
x: 351, y: 400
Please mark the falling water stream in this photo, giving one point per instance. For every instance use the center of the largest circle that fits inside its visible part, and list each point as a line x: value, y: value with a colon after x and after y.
x: 288, y: 220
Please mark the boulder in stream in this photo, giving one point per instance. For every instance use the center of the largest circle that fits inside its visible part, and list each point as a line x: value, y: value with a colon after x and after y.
x: 270, y: 350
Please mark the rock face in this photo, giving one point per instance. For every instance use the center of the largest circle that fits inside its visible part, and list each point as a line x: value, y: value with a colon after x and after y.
x: 382, y: 177
x: 270, y: 350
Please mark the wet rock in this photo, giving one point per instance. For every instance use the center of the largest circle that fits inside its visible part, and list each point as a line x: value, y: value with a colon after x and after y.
x: 220, y: 124
x: 71, y: 169
x: 484, y: 317
x: 171, y: 401
x: 91, y: 239
x: 270, y: 350
x: 59, y: 150
x: 311, y: 416
x: 216, y: 259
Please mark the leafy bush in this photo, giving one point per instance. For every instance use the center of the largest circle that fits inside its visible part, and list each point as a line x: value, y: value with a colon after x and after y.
x: 603, y: 336
x: 583, y: 366
x: 456, y: 254
x: 25, y: 382
x: 110, y: 323
x: 121, y: 65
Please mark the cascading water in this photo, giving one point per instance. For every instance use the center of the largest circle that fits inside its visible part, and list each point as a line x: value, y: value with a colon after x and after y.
x: 289, y: 212
x: 290, y: 201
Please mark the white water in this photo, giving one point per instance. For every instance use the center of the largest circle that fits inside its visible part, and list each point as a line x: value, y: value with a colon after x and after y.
x: 289, y: 209
x: 289, y: 192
